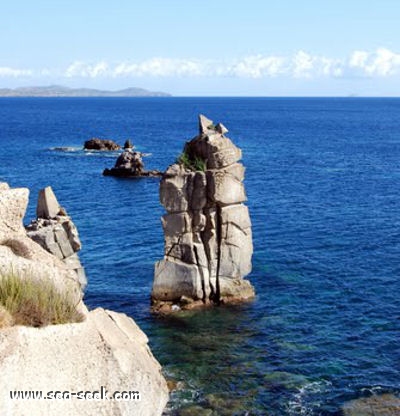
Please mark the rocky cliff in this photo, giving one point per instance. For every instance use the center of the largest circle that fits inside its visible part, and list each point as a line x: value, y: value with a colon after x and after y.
x: 207, y: 228
x: 106, y: 350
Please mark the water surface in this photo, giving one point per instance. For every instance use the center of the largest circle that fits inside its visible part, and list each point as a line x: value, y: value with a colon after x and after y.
x: 323, y: 180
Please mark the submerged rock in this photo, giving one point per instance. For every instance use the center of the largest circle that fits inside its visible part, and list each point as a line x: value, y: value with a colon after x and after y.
x: 101, y: 144
x: 377, y: 405
x: 207, y: 228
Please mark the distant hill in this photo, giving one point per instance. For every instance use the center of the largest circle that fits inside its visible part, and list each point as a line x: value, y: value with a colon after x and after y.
x: 60, y: 91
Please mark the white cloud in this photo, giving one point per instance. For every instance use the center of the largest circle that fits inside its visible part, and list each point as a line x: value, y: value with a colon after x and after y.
x: 8, y: 72
x: 358, y: 59
x: 161, y: 67
x: 382, y: 63
x: 253, y: 66
x: 83, y: 70
x: 303, y: 65
x: 331, y: 67
x: 257, y: 66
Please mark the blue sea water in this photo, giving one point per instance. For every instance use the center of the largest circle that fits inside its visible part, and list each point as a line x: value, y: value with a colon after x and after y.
x: 322, y: 179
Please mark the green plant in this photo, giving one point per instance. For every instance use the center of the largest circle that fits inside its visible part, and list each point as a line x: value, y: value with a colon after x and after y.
x: 183, y: 159
x: 199, y: 164
x: 37, y: 303
x: 196, y: 164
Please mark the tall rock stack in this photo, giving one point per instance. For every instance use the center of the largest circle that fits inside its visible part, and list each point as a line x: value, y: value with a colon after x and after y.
x: 207, y: 228
x: 54, y: 230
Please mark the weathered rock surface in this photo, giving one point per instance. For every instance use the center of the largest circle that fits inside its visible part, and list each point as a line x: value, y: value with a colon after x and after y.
x: 101, y: 144
x: 21, y: 255
x: 107, y: 349
x: 130, y: 165
x: 207, y: 228
x: 54, y: 230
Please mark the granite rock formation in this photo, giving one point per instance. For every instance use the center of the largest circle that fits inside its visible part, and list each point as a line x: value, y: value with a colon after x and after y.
x: 130, y: 165
x: 106, y: 349
x: 19, y: 254
x: 101, y: 144
x: 54, y: 230
x: 207, y: 228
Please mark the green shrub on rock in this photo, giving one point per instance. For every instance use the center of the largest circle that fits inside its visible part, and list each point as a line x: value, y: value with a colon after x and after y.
x: 195, y: 164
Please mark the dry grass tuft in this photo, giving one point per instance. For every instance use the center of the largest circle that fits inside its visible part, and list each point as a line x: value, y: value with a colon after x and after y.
x: 36, y: 303
x: 6, y: 320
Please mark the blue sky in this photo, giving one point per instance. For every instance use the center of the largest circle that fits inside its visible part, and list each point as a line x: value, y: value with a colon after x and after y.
x: 204, y: 47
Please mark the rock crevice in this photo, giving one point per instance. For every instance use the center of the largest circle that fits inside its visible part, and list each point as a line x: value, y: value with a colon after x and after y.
x: 207, y: 228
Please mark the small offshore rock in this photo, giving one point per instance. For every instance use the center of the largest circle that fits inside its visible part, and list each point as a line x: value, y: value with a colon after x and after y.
x: 130, y: 165
x: 128, y: 144
x: 101, y: 144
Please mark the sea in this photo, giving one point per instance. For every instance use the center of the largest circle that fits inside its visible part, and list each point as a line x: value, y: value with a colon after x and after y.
x: 323, y: 188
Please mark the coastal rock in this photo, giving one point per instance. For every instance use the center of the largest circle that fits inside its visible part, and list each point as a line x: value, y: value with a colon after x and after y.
x: 224, y: 188
x: 220, y: 128
x: 13, y: 203
x: 176, y: 279
x: 207, y: 228
x: 108, y: 349
x: 205, y: 124
x: 101, y: 144
x: 47, y: 206
x: 215, y: 149
x: 130, y: 165
x: 54, y: 230
x: 20, y: 255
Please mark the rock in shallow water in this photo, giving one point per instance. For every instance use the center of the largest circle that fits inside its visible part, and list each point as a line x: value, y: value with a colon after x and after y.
x: 207, y: 229
x: 130, y: 165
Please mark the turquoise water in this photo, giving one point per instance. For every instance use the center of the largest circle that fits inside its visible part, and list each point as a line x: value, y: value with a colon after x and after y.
x: 323, y: 180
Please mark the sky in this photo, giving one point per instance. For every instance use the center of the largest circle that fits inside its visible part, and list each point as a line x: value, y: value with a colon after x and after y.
x: 204, y: 47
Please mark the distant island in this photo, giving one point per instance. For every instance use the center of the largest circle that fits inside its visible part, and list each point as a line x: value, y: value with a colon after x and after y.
x: 60, y: 91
